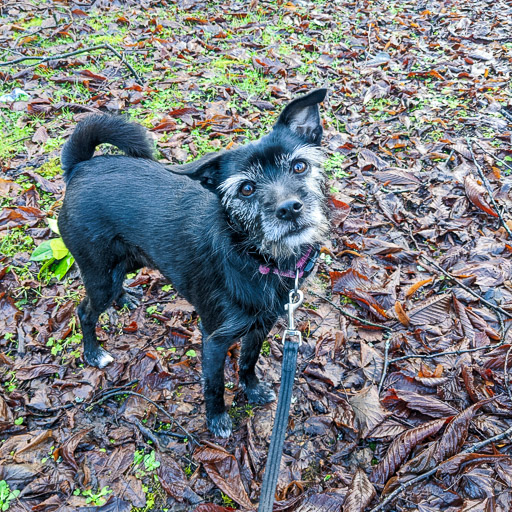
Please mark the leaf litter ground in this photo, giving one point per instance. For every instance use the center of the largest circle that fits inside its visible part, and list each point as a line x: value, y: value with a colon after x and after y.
x: 404, y: 373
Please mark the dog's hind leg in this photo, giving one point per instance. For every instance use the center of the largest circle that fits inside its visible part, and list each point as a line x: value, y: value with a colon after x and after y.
x: 102, y: 286
x: 128, y: 298
x: 257, y: 392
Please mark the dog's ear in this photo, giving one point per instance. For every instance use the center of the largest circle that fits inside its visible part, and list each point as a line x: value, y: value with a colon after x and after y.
x: 205, y: 170
x: 302, y: 116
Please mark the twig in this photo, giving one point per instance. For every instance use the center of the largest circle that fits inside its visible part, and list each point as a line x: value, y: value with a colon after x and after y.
x: 75, y: 404
x: 473, y: 448
x: 343, y: 312
x: 507, y: 382
x: 493, y: 156
x: 489, y: 190
x: 447, y: 353
x: 54, y: 57
x: 106, y: 46
x: 507, y: 114
x: 469, y: 290
x: 108, y: 395
x: 126, y: 63
x: 386, y: 363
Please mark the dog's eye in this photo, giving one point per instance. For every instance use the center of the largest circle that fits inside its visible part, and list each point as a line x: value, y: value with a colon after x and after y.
x: 299, y: 167
x: 247, y: 189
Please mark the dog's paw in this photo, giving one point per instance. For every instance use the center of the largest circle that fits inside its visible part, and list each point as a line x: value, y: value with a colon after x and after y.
x: 128, y: 299
x: 99, y: 358
x: 260, y: 394
x: 220, y: 425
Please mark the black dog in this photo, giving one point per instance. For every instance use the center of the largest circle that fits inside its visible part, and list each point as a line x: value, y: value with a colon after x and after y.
x: 229, y: 231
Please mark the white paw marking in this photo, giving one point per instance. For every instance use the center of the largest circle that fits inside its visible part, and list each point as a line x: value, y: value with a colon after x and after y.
x: 104, y: 360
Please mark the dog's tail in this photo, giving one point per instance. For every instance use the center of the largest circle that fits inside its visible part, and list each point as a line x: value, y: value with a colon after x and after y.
x: 131, y: 138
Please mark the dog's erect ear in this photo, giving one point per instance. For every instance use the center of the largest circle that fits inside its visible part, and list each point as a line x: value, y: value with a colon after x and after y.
x: 205, y: 170
x: 302, y: 116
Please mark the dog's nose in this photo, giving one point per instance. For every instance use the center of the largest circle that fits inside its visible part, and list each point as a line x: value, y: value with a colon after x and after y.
x: 289, y: 210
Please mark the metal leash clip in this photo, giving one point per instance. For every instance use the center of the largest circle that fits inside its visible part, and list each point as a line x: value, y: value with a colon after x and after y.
x: 295, y: 299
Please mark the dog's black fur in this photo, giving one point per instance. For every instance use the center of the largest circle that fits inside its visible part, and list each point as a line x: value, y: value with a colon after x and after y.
x: 196, y: 226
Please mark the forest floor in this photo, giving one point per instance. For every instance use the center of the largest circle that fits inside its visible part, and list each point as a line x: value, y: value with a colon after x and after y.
x: 404, y: 405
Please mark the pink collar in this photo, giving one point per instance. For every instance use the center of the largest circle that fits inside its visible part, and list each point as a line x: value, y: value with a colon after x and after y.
x: 305, y: 264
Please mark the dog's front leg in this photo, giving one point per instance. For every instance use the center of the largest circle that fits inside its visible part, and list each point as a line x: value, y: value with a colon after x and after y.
x: 215, y: 350
x: 257, y: 392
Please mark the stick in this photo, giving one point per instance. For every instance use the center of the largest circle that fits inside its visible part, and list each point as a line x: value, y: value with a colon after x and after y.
x: 473, y: 448
x: 126, y: 63
x: 493, y: 156
x: 506, y: 114
x: 448, y: 353
x: 507, y: 382
x: 105, y: 46
x: 108, y: 395
x: 386, y: 363
x: 489, y: 190
x: 54, y: 57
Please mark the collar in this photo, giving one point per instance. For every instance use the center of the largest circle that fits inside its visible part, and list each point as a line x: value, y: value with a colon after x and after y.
x: 304, y: 265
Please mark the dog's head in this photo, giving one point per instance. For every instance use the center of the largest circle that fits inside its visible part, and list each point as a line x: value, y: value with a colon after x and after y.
x: 273, y: 189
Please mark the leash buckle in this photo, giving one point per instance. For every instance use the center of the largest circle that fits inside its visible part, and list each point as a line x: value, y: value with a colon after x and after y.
x: 295, y: 299
x: 292, y: 332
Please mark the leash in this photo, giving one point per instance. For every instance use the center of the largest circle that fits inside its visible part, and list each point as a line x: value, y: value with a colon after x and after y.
x: 292, y: 338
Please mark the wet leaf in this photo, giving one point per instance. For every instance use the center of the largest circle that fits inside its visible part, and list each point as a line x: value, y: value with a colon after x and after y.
x: 360, y: 493
x: 476, y: 194
x: 223, y: 469
x: 400, y: 449
x: 432, y: 310
x: 368, y: 411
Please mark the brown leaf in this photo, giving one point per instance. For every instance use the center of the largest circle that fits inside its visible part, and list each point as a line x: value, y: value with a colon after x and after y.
x: 368, y: 302
x: 9, y: 188
x: 456, y: 432
x: 9, y: 313
x: 476, y: 194
x: 318, y: 503
x: 349, y: 279
x: 369, y: 158
x: 401, y: 448
x: 211, y: 507
x: 68, y: 448
x: 454, y: 464
x: 339, y: 211
x: 165, y: 125
x: 431, y: 311
x: 367, y: 409
x: 401, y: 314
x: 416, y: 286
x: 36, y: 371
x: 467, y: 326
x: 46, y: 185
x: 14, y: 217
x: 360, y: 493
x: 397, y: 176
x: 425, y: 404
x: 178, y: 112
x: 223, y: 469
x: 171, y: 476
x: 40, y: 135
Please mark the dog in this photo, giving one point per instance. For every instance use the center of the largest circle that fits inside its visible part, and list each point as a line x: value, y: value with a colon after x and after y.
x: 230, y: 231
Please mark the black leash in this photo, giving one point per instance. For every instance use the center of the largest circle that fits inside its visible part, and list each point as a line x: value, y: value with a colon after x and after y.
x: 292, y: 338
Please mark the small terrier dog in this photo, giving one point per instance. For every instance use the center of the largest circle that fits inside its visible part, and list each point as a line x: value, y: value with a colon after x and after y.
x: 229, y: 231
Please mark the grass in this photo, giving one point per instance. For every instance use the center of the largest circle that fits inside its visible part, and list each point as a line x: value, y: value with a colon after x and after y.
x: 15, y: 132
x: 16, y: 241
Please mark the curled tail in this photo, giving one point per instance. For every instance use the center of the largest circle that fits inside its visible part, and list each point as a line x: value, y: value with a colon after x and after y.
x: 131, y: 138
